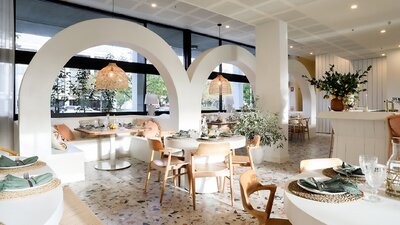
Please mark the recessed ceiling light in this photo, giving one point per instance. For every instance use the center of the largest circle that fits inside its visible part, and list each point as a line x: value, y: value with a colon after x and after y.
x: 354, y: 6
x: 291, y: 46
x: 153, y: 5
x: 398, y: 46
x: 227, y: 26
x: 383, y: 31
x: 311, y: 53
x: 383, y: 54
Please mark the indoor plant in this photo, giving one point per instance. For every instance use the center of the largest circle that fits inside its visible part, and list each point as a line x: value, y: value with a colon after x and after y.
x: 253, y: 121
x: 339, y: 86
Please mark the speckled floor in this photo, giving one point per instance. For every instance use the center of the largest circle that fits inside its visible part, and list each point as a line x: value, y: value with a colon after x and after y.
x: 117, y: 197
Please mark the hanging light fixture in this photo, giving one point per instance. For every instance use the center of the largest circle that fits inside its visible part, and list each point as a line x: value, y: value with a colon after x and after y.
x: 220, y: 85
x: 112, y: 77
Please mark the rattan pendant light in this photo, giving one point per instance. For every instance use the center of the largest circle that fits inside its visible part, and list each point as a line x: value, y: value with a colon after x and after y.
x: 220, y: 85
x: 112, y: 77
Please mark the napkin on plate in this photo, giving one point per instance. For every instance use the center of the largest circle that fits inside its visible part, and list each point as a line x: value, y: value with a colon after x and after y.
x: 7, y: 162
x: 334, y: 185
x: 351, y: 170
x: 12, y: 182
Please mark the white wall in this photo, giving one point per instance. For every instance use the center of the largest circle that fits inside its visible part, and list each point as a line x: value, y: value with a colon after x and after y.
x: 376, y: 86
x: 393, y: 75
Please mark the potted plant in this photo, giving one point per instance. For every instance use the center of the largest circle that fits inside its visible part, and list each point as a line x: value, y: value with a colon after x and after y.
x: 253, y: 121
x: 340, y: 86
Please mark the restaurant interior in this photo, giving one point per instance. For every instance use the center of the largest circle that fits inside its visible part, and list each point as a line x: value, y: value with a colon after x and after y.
x: 199, y: 112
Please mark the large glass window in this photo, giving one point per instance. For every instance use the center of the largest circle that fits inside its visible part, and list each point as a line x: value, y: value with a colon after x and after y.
x: 37, y: 21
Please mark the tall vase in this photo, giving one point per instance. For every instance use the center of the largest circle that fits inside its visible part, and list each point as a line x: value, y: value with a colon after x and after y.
x: 337, y: 105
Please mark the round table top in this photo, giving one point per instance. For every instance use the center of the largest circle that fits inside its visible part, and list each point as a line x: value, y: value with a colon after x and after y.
x: 235, y: 142
x: 40, y: 209
x: 302, y: 211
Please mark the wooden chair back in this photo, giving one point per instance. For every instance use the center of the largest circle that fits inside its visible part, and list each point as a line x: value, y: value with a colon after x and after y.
x: 321, y: 163
x: 250, y: 184
x: 394, y: 130
x: 255, y: 142
x: 155, y: 144
x: 213, y: 149
x: 8, y: 151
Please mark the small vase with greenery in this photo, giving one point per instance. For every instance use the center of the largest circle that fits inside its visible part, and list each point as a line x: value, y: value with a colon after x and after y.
x: 340, y: 86
x: 253, y: 121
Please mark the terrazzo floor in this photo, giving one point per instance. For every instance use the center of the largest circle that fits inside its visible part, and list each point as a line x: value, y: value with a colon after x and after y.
x: 117, y: 197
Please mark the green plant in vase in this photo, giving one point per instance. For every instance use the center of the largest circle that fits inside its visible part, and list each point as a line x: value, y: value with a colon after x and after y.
x: 340, y: 86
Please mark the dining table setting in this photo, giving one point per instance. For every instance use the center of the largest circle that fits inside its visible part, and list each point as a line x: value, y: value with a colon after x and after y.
x: 345, y: 194
x: 29, y: 186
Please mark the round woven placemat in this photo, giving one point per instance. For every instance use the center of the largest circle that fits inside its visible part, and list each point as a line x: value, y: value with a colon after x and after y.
x: 329, y: 172
x: 36, y: 165
x: 6, y: 195
x: 297, y: 190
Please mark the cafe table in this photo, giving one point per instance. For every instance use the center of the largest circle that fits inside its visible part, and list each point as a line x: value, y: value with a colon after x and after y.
x: 112, y: 163
x: 301, y: 211
x: 45, y: 207
x: 208, y: 184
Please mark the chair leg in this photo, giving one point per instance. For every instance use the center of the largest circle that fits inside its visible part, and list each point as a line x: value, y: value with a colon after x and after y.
x: 179, y: 176
x: 194, y: 192
x: 223, y: 185
x: 174, y: 177
x: 163, y: 185
x: 147, y: 178
x: 231, y: 187
x: 159, y: 176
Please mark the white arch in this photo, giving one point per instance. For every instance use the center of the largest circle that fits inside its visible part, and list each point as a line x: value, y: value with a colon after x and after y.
x: 297, y: 69
x: 34, y: 100
x: 205, y: 63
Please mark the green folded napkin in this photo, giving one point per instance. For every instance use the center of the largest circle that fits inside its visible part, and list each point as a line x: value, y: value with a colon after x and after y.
x: 334, y: 185
x: 7, y: 162
x: 14, y: 183
x: 349, y: 169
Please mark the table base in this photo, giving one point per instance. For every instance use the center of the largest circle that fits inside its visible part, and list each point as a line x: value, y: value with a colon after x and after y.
x: 107, y: 165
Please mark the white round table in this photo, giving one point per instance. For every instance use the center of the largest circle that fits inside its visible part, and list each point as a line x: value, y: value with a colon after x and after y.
x: 209, y: 184
x: 301, y: 211
x: 39, y: 209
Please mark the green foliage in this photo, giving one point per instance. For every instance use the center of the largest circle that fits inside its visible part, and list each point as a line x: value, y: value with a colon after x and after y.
x: 338, y: 84
x: 60, y: 90
x: 83, y: 88
x: 155, y: 85
x: 253, y: 121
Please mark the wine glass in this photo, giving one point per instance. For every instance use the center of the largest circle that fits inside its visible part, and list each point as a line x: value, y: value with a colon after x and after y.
x: 367, y: 161
x: 375, y: 177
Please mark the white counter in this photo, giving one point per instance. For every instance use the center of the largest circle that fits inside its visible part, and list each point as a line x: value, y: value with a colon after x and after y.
x: 359, y: 133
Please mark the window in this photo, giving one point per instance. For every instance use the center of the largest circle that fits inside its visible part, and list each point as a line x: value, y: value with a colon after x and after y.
x: 209, y: 102
x: 201, y: 43
x: 155, y: 85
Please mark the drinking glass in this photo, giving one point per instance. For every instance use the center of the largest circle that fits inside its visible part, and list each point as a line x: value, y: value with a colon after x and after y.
x: 375, y: 177
x: 367, y: 162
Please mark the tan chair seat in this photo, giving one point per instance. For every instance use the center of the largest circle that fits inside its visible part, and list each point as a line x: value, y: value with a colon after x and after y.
x: 240, y: 159
x: 164, y: 162
x: 214, y: 169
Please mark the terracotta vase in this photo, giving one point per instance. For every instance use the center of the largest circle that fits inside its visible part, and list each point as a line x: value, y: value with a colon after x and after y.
x: 337, y: 105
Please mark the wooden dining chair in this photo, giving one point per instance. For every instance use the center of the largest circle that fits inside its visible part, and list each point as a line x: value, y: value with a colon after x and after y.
x: 218, y: 169
x: 393, y: 122
x: 8, y: 151
x: 165, y: 164
x: 321, y: 163
x: 250, y: 184
x: 246, y: 160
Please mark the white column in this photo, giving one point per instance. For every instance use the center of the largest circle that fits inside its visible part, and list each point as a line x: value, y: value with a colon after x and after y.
x: 272, y: 77
x: 6, y: 73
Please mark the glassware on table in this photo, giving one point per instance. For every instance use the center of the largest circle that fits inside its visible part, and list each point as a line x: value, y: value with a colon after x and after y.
x: 393, y: 170
x: 367, y: 161
x: 375, y: 177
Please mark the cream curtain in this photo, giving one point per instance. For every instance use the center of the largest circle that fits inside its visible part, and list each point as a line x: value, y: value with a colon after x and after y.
x: 6, y: 72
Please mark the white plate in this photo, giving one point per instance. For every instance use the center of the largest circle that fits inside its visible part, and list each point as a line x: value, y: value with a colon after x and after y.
x: 14, y: 167
x: 28, y: 188
x: 318, y: 191
x: 338, y: 169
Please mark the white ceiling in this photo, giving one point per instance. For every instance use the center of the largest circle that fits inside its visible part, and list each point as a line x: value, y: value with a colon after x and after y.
x: 318, y: 26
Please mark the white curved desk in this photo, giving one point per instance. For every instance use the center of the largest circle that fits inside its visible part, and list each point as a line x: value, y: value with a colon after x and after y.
x: 301, y: 211
x: 41, y: 209
x: 203, y: 185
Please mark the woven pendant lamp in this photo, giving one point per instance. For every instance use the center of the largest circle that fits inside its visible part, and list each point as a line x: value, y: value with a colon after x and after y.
x: 112, y: 77
x: 220, y: 86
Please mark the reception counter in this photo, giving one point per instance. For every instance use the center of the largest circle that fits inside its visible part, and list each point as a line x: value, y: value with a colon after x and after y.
x: 357, y: 133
